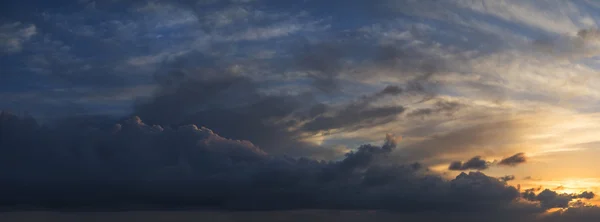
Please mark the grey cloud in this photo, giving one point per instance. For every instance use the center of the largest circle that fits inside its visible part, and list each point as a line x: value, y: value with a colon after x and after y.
x: 231, y: 106
x: 323, y: 59
x: 365, y: 155
x: 584, y: 44
x: 440, y: 107
x: 263, y: 216
x: 201, y: 89
x: 437, y: 149
x: 586, y: 195
x: 583, y: 214
x: 530, y: 178
x: 551, y: 199
x: 507, y: 178
x: 475, y: 163
x: 135, y: 164
x: 358, y: 114
x: 391, y: 90
x: 323, y: 62
x: 351, y: 117
x: 514, y: 160
x: 14, y: 35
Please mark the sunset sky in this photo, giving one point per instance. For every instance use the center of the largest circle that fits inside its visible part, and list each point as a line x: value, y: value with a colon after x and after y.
x: 415, y: 110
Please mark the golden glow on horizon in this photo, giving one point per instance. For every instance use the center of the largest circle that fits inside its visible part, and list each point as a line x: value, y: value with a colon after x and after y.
x: 557, y: 144
x: 568, y: 185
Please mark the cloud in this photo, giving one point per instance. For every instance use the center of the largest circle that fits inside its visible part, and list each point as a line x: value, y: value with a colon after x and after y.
x: 234, y: 105
x: 584, y: 214
x: 135, y: 164
x: 475, y: 163
x: 231, y: 106
x: 587, y: 214
x: 14, y: 35
x: 514, y: 160
x: 585, y: 43
x: 586, y: 195
x: 440, y: 107
x: 507, y: 178
x: 456, y: 59
x: 323, y: 62
x: 551, y: 199
x: 357, y: 114
x: 500, y: 135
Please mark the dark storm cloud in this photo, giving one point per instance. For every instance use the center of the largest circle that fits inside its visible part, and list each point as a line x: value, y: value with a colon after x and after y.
x: 586, y: 195
x: 475, y: 163
x: 269, y: 216
x: 551, y: 199
x: 514, y: 160
x: 132, y: 163
x: 583, y: 214
x: 233, y: 105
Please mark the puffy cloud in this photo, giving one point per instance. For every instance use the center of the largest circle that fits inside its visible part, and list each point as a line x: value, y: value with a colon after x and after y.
x: 475, y: 163
x: 586, y: 195
x: 136, y: 163
x: 233, y: 105
x: 514, y: 160
x: 551, y: 199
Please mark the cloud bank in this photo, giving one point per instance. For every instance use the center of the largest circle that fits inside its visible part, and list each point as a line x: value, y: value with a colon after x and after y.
x: 134, y: 165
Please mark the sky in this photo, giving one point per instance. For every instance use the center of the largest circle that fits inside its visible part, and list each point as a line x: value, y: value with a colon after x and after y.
x: 271, y: 110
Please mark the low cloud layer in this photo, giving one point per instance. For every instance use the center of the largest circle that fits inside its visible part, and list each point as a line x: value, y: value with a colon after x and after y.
x: 551, y: 199
x: 133, y: 164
